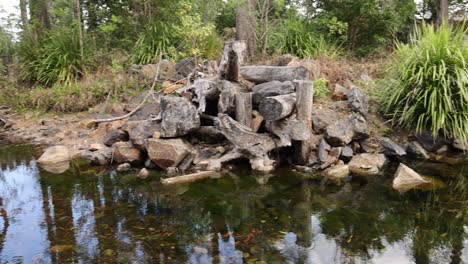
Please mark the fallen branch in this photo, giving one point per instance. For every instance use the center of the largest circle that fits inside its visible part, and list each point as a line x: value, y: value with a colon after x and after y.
x: 92, y: 123
x: 188, y: 178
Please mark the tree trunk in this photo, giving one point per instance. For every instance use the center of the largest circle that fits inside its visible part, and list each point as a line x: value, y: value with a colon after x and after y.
x: 24, y: 15
x: 277, y: 107
x: 305, y: 96
x: 246, y: 26
x: 80, y: 27
x: 443, y: 12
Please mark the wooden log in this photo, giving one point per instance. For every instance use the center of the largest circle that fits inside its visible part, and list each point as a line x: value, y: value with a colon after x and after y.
x: 288, y: 129
x: 227, y: 97
x: 231, y: 59
x: 274, y: 88
x: 188, y: 178
x: 244, y: 108
x: 305, y: 96
x: 277, y: 107
x: 204, y: 89
x: 253, y: 146
x: 262, y: 74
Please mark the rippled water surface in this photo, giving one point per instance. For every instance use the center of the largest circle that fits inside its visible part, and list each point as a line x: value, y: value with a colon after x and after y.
x: 90, y: 215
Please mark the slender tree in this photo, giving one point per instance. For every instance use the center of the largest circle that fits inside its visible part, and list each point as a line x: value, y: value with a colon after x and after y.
x: 24, y: 14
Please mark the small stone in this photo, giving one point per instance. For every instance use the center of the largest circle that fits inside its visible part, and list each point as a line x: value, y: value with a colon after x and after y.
x: 323, y: 150
x: 221, y: 149
x: 457, y: 144
x: 442, y: 149
x: 157, y: 134
x: 96, y: 146
x: 340, y: 93
x: 347, y: 153
x: 143, y: 174
x: 125, y: 152
x: 124, y: 167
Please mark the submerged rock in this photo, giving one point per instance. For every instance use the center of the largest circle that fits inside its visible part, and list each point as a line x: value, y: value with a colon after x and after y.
x: 124, y: 167
x: 367, y: 164
x: 143, y: 174
x: 168, y: 152
x: 337, y: 173
x: 407, y: 179
x: 391, y: 148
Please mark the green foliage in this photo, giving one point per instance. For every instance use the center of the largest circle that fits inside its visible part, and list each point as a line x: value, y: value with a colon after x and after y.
x: 6, y: 47
x: 321, y: 89
x: 156, y: 40
x: 429, y: 82
x: 369, y: 25
x: 298, y: 37
x: 56, y: 58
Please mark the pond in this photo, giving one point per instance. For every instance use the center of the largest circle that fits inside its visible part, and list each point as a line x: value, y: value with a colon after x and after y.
x: 90, y: 215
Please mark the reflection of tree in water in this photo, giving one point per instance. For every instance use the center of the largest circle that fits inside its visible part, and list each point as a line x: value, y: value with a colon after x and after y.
x: 433, y: 220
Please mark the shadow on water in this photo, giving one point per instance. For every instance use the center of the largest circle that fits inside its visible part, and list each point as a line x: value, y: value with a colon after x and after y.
x: 89, y: 215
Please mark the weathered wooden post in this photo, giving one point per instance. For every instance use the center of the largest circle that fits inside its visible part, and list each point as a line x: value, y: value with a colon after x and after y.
x: 231, y: 60
x: 244, y: 109
x: 304, y: 103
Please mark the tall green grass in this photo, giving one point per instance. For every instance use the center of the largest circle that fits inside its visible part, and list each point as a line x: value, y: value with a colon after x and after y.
x: 429, y: 82
x: 296, y: 37
x: 54, y: 58
x: 156, y: 39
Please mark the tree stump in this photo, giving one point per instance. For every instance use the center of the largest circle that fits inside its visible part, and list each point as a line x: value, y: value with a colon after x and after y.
x: 305, y: 97
x: 244, y: 109
x: 277, y: 107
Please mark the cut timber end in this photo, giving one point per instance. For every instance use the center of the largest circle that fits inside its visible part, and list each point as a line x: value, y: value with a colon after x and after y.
x: 304, y: 104
x: 188, y: 178
x: 277, y: 107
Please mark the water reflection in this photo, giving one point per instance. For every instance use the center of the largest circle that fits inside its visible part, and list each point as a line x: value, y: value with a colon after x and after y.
x: 90, y: 215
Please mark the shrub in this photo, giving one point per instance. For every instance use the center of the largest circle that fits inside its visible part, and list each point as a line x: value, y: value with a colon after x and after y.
x: 157, y: 39
x: 321, y: 89
x: 429, y: 82
x: 57, y: 58
x: 298, y: 38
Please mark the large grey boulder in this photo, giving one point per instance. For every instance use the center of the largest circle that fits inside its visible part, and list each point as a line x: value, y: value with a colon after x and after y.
x: 407, y: 179
x: 179, y: 116
x: 125, y: 152
x: 354, y: 127
x: 168, y: 153
x: 273, y: 88
x: 391, y: 148
x: 140, y: 130
x: 322, y: 118
x: 367, y: 164
x: 358, y: 101
x: 185, y: 66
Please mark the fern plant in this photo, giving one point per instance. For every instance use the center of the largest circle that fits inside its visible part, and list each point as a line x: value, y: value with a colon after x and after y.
x: 428, y: 87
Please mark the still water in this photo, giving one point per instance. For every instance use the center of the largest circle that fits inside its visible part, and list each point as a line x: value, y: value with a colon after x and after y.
x: 96, y: 215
